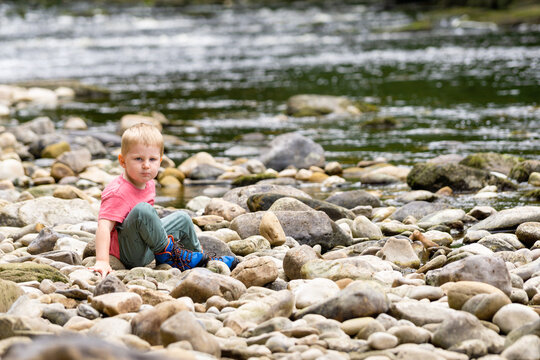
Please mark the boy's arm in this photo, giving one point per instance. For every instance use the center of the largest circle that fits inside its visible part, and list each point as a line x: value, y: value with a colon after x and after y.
x: 103, y: 241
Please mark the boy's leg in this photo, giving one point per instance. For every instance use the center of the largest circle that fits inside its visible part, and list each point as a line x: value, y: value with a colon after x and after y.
x: 179, y: 225
x: 141, y: 236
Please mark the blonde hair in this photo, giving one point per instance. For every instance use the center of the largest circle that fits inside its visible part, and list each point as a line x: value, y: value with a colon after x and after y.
x: 142, y: 133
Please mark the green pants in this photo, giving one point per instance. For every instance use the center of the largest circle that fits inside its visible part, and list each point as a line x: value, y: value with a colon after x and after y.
x: 143, y: 234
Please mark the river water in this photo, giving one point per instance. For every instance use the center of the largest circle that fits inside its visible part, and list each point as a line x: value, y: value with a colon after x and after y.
x: 218, y: 72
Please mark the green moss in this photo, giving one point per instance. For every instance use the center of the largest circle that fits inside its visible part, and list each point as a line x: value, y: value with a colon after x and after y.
x: 475, y: 160
x: 311, y: 112
x: 252, y: 179
x: 30, y: 272
x: 418, y: 25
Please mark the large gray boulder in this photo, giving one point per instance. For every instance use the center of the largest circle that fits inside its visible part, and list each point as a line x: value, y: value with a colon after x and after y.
x: 240, y: 195
x: 482, y: 268
x: 293, y: 149
x: 523, y: 170
x: 306, y: 227
x: 432, y: 177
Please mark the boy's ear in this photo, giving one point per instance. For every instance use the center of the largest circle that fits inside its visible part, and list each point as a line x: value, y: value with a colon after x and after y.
x: 121, y: 159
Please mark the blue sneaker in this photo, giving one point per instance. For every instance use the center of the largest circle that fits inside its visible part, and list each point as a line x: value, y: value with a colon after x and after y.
x: 230, y: 261
x: 179, y: 257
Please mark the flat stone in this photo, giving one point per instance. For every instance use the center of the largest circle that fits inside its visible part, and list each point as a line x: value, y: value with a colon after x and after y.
x: 509, y: 218
x: 400, y: 252
x: 382, y: 340
x: 117, y: 303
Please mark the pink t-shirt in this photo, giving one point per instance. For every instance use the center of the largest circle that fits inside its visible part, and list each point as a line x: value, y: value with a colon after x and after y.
x: 117, y: 200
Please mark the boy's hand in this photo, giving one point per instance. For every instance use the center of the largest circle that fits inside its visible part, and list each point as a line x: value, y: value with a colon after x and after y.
x: 102, y: 267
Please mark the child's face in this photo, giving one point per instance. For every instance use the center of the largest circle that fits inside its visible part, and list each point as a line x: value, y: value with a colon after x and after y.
x: 141, y: 164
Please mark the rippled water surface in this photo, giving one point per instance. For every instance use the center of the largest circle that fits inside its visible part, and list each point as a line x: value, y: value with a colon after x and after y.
x: 219, y: 72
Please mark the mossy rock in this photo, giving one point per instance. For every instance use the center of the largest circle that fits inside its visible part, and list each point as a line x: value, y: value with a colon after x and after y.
x: 459, y: 177
x: 54, y: 150
x: 523, y: 170
x: 381, y: 123
x: 246, y: 180
x: 9, y: 293
x: 30, y: 272
x: 489, y: 161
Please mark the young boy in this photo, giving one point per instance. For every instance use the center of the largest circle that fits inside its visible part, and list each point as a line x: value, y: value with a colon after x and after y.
x: 128, y: 225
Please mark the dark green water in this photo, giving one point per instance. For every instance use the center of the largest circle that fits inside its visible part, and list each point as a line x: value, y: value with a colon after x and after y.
x: 217, y: 73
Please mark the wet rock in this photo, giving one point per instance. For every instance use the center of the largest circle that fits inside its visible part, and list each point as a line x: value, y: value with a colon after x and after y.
x: 481, y: 212
x: 30, y: 271
x: 257, y: 271
x: 316, y: 105
x: 433, y: 177
x: 240, y: 195
x: 526, y: 348
x: 400, y: 252
x: 354, y: 198
x: 225, y: 209
x: 463, y: 326
x: 528, y: 233
x: 295, y: 258
x: 9, y: 293
x: 523, y: 170
x: 147, y: 323
x: 513, y: 316
x: 502, y: 163
x: 48, y: 211
x: 293, y: 149
x: 280, y: 303
x: 117, y: 303
x: 363, y: 228
x: 509, y: 218
x: 259, y: 202
x: 418, y: 209
x: 111, y: 284
x: 271, y: 229
x: 359, y: 299
x: 201, y: 284
x: 480, y: 268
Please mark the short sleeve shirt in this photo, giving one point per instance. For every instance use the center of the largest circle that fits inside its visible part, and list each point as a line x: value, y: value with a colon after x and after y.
x: 117, y: 200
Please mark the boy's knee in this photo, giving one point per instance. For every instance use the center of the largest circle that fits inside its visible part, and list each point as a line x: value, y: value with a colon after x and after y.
x: 182, y: 217
x: 143, y: 208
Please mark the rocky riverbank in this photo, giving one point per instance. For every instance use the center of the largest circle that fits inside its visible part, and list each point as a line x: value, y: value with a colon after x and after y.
x: 348, y: 277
